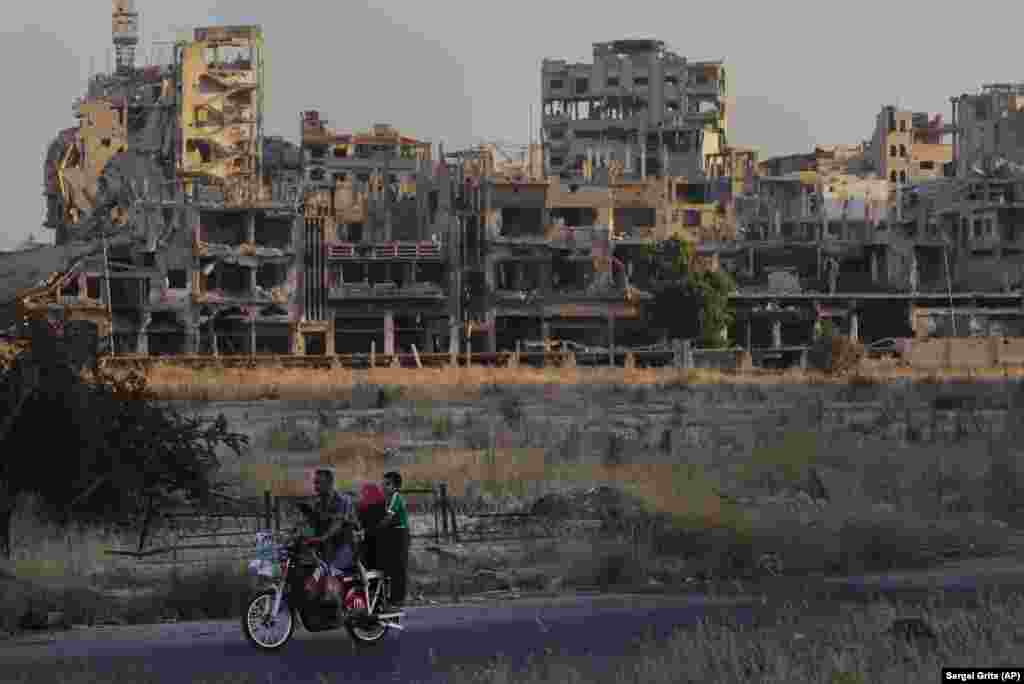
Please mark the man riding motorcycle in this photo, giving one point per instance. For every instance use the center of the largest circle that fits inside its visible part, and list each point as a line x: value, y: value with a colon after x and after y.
x: 334, y: 526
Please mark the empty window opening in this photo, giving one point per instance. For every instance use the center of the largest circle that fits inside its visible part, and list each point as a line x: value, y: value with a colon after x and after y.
x: 231, y: 279
x: 582, y: 85
x: 626, y: 220
x: 613, y: 81
x: 272, y: 338
x: 903, y: 125
x: 177, y: 278
x: 892, y: 176
x: 557, y: 84
x: 429, y: 272
x: 273, y: 231
x: 222, y: 227
x: 317, y: 151
x: 640, y: 81
x: 92, y: 287
x: 903, y: 176
x: 517, y: 221
x: 233, y: 333
x: 927, y: 165
x: 903, y: 150
x: 575, y: 216
x: 129, y: 293
x: 271, y: 275
x: 892, y: 150
x: 165, y: 334
x: 149, y: 259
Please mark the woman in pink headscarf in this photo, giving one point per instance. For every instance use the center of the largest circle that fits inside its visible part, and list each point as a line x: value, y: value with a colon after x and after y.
x: 372, y: 509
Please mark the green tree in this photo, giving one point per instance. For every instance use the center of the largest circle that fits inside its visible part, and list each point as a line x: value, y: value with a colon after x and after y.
x: 688, y: 302
x: 95, y: 446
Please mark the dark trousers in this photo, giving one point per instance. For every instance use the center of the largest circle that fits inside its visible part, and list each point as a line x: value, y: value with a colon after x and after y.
x: 393, y: 557
x: 369, y: 552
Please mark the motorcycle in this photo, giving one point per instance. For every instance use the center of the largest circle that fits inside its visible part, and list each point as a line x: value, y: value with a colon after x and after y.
x: 298, y: 582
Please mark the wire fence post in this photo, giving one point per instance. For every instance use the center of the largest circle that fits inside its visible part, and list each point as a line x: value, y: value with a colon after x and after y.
x: 266, y: 509
x: 437, y: 516
x: 455, y: 525
x: 277, y: 515
x: 443, y: 503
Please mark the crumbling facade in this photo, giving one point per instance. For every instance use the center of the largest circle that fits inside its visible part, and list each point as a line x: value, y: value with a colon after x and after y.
x: 185, y: 228
x: 637, y: 110
x: 907, y: 147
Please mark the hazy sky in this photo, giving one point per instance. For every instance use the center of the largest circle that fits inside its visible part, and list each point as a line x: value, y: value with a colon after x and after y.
x: 800, y: 72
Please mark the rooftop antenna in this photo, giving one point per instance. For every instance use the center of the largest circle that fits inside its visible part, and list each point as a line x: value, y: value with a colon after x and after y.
x: 125, y: 32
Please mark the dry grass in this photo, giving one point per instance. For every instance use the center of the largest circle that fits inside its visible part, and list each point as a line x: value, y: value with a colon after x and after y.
x: 857, y: 648
x: 175, y: 382
x: 928, y: 490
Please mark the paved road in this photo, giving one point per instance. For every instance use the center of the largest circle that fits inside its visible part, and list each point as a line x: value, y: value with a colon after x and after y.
x: 598, y: 628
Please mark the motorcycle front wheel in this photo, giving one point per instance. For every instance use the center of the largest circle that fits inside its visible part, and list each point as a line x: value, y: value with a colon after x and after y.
x: 366, y: 634
x: 262, y: 632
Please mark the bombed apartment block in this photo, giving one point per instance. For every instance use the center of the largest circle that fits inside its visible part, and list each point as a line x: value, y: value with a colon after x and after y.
x: 199, y: 209
x: 377, y: 274
x: 637, y: 110
x: 988, y: 130
x: 907, y: 147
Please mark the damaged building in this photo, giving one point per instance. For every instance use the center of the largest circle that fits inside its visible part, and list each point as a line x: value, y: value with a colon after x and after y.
x: 182, y: 227
x: 190, y: 208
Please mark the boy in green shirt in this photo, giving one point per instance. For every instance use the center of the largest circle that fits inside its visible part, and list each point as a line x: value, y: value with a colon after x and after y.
x: 394, y: 538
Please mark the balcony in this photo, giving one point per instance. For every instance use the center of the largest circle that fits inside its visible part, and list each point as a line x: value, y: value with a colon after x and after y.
x: 425, y: 250
x: 378, y: 291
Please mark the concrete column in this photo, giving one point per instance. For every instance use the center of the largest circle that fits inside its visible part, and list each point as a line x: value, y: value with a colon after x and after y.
x: 750, y: 262
x: 611, y: 339
x: 389, y: 333
x: 545, y: 329
x: 192, y: 339
x: 874, y: 267
x: 492, y: 331
x: 453, y: 336
x: 776, y: 334
x: 329, y: 340
x: 252, y: 336
x: 854, y: 326
x: 250, y: 227
x: 252, y: 281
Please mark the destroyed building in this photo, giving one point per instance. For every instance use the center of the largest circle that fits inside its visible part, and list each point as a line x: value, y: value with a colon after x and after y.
x: 181, y: 226
x: 638, y: 104
x: 907, y: 146
x: 371, y: 222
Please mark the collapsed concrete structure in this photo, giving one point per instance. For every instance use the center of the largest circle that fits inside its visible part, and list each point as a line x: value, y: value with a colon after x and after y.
x: 182, y: 227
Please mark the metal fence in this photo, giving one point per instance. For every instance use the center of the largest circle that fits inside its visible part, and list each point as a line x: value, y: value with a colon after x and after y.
x: 192, y: 536
x: 198, y: 535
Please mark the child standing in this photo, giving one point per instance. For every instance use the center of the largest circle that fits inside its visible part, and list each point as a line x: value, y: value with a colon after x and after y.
x: 393, y: 540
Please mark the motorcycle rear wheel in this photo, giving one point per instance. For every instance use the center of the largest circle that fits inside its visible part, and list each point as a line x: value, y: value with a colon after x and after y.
x: 255, y: 625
